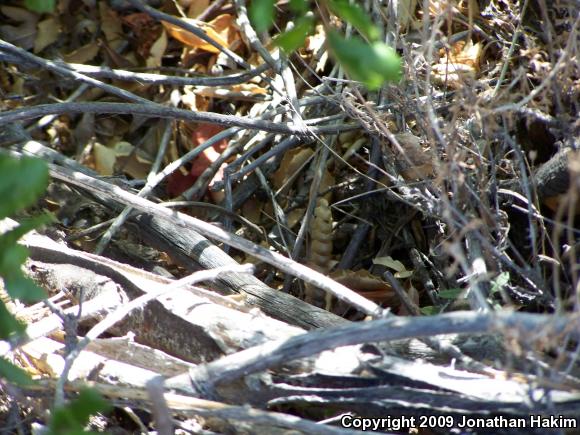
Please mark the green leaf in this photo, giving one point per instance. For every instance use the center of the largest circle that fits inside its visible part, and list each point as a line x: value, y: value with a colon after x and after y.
x: 294, y: 38
x: 9, y: 325
x: 21, y: 183
x: 23, y: 288
x: 72, y: 417
x: 298, y: 6
x: 356, y: 16
x: 373, y: 64
x: 24, y: 226
x: 14, y: 374
x: 11, y: 260
x: 429, y: 310
x: 451, y: 293
x: 261, y: 14
x: 40, y: 6
x: 12, y: 256
x: 499, y: 282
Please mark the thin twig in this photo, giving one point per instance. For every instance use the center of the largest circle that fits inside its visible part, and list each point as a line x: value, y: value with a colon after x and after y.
x: 161, y: 79
x: 159, y: 408
x: 572, y: 39
x: 56, y: 68
x: 159, y: 111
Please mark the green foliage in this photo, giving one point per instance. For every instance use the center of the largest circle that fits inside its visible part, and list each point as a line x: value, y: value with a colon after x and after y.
x: 451, y: 293
x: 294, y: 38
x: 429, y: 310
x: 298, y: 6
x: 15, y: 374
x: 499, y: 282
x: 40, y: 6
x: 23, y: 180
x: 262, y: 14
x: 13, y: 256
x: 74, y: 416
x: 498, y: 285
x: 371, y: 62
x: 9, y: 325
x: 356, y: 16
x: 21, y: 183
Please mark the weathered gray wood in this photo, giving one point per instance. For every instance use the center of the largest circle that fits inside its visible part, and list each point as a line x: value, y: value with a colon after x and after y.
x: 185, y: 245
x: 194, y: 325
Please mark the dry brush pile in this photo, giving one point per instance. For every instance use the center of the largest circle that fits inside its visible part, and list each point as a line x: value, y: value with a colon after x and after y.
x: 181, y: 144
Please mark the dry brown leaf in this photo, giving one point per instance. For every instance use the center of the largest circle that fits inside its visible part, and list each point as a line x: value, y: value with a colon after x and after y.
x: 122, y: 155
x: 111, y: 25
x: 196, y: 7
x: 225, y: 25
x: 366, y: 284
x: 417, y: 162
x: 291, y: 162
x: 48, y: 31
x: 249, y: 87
x: 453, y: 75
x: 39, y: 365
x: 464, y: 53
x: 157, y: 51
x: 315, y: 43
x: 83, y: 54
x: 146, y: 31
x: 23, y: 34
x: 460, y: 64
x: 135, y: 163
x: 439, y: 7
x: 252, y: 210
x: 295, y: 216
x: 465, y: 7
x: 191, y: 100
x: 105, y: 159
x: 240, y: 92
x: 222, y: 30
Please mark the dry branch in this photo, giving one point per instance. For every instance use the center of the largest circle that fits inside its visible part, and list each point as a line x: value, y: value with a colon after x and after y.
x: 158, y: 111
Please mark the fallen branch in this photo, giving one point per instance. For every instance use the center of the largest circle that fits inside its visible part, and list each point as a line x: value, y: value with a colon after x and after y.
x: 158, y: 111
x: 531, y: 326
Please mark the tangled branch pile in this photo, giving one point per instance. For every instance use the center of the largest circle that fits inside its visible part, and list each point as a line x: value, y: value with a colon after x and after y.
x: 455, y: 189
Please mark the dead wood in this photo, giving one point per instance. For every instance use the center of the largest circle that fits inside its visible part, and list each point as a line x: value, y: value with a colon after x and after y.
x: 193, y: 251
x: 202, y: 327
